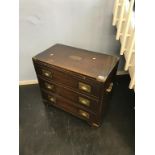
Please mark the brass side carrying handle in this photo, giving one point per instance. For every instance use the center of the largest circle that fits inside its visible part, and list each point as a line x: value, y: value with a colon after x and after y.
x: 46, y: 73
x: 49, y: 86
x: 84, y: 101
x: 84, y: 87
x: 52, y: 99
x: 109, y: 89
x: 84, y: 114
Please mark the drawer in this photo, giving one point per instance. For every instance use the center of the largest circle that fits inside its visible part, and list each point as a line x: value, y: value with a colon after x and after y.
x: 86, y: 86
x: 65, y: 105
x: 77, y: 98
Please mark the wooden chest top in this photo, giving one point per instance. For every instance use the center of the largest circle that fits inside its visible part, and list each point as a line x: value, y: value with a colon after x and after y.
x: 91, y: 64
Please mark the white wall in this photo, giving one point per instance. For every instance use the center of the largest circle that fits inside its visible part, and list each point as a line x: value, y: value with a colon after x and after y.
x: 80, y: 23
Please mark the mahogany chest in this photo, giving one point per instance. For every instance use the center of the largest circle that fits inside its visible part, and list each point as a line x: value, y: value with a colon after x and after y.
x: 76, y: 80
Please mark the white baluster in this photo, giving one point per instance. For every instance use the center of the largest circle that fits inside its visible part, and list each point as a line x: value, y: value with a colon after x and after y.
x: 126, y: 27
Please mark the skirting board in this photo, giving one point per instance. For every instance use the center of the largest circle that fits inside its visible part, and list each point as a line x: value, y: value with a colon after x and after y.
x: 29, y: 82
x: 122, y: 72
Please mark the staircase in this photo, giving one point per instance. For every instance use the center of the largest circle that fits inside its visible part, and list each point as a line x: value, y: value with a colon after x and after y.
x: 123, y: 19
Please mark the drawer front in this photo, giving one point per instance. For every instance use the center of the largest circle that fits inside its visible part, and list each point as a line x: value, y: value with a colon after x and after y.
x: 89, y: 87
x: 77, y: 98
x: 65, y: 105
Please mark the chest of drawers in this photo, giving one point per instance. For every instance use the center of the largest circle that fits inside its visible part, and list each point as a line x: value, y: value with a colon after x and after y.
x: 76, y: 80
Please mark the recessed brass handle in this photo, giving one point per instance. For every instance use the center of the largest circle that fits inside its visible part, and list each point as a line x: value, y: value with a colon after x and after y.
x: 84, y: 114
x: 84, y: 87
x: 84, y: 101
x: 109, y: 89
x: 52, y: 99
x: 49, y: 86
x: 46, y: 73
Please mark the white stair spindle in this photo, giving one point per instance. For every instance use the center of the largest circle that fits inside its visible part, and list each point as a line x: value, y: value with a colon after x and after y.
x: 120, y: 20
x: 126, y: 29
x: 115, y: 12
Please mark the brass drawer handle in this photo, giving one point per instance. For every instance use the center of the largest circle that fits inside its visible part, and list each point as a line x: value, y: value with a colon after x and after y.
x: 84, y: 114
x: 84, y: 101
x: 109, y: 89
x: 52, y: 99
x: 49, y: 86
x: 46, y: 73
x: 84, y: 87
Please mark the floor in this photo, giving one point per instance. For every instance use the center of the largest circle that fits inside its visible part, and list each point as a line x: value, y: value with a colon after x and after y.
x: 50, y: 131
